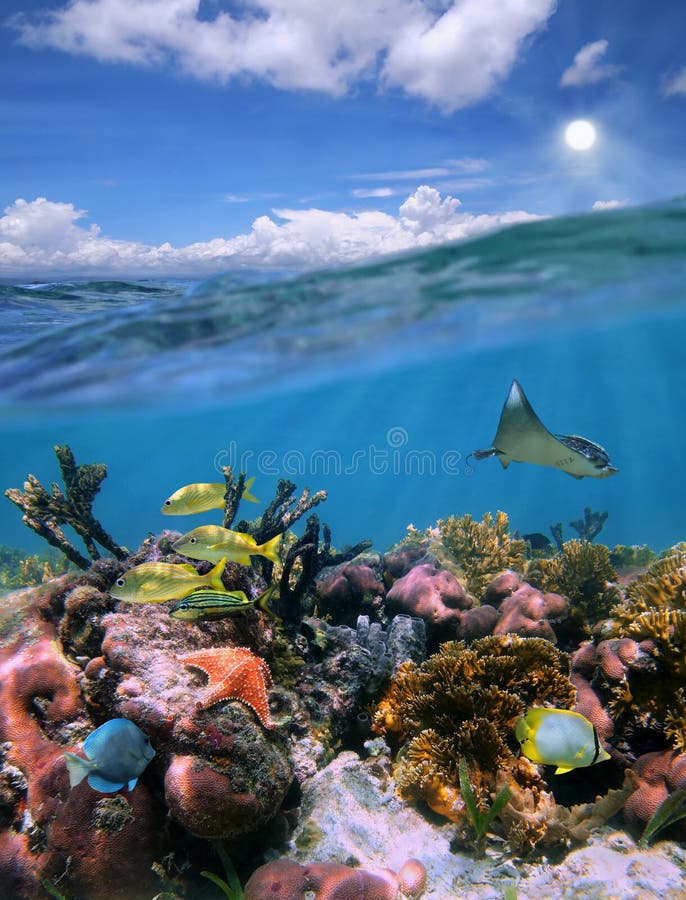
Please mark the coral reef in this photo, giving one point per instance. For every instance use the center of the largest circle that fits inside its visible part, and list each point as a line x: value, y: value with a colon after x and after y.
x: 463, y: 701
x: 45, y: 511
x: 348, y: 805
x: 637, y: 665
x: 233, y: 496
x: 661, y: 587
x: 42, y: 713
x: 252, y: 716
x: 330, y: 693
x: 305, y: 559
x: 527, y: 612
x: 634, y: 556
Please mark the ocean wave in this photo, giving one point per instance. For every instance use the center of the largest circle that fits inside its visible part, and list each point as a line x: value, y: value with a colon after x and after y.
x: 103, y: 342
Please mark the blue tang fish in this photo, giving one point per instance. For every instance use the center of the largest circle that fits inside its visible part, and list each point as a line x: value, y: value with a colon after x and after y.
x: 117, y: 752
x: 559, y: 737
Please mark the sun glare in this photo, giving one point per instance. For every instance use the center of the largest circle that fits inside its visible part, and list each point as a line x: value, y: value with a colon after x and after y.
x: 580, y: 134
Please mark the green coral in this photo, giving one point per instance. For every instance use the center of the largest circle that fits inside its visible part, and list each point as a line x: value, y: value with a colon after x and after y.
x: 481, y: 549
x: 112, y: 814
x: 634, y: 555
x: 583, y: 572
x: 19, y: 569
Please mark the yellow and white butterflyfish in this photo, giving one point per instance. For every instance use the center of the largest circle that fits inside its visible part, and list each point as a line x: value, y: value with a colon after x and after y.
x: 559, y: 737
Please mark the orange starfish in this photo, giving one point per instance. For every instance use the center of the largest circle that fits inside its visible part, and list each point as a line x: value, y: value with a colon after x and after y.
x: 234, y: 674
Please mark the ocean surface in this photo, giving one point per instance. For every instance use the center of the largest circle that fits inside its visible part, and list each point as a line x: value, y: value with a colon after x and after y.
x: 374, y: 382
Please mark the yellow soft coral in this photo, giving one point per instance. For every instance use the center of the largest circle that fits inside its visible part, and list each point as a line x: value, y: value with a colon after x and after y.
x: 583, y: 572
x: 462, y: 702
x: 481, y: 549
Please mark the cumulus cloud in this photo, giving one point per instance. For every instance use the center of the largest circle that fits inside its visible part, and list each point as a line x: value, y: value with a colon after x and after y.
x: 673, y: 85
x: 44, y: 238
x: 587, y: 67
x: 609, y: 204
x: 449, y: 53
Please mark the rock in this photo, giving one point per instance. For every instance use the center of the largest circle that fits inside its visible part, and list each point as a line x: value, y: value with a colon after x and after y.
x: 352, y: 816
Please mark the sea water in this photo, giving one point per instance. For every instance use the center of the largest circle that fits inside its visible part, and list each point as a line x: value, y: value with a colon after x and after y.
x: 373, y: 382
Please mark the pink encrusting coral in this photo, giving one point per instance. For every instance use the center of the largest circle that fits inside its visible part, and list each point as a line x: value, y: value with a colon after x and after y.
x: 284, y: 879
x: 42, y: 714
x: 434, y: 595
x: 527, y: 612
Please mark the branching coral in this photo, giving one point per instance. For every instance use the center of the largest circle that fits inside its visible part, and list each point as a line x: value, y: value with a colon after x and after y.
x: 45, y: 511
x: 463, y: 701
x: 305, y: 558
x: 283, y: 511
x: 581, y: 571
x: 590, y: 526
x: 481, y: 549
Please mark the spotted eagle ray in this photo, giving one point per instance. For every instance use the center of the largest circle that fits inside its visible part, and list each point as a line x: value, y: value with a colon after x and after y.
x: 522, y: 437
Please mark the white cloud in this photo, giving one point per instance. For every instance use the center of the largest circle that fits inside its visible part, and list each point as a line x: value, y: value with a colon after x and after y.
x: 44, y: 225
x: 674, y: 85
x: 587, y: 68
x: 44, y: 238
x: 466, y: 166
x: 609, y: 204
x: 373, y: 192
x: 456, y: 58
x: 449, y: 53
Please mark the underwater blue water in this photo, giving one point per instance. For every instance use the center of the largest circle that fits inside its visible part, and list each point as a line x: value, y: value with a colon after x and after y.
x: 373, y: 382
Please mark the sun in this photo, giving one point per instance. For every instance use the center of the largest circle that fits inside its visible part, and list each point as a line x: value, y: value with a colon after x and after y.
x: 580, y: 134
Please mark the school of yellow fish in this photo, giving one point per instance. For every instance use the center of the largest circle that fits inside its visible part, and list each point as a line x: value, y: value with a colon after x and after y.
x: 156, y: 582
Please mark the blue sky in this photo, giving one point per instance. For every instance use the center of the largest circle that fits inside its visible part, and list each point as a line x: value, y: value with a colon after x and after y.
x: 176, y: 137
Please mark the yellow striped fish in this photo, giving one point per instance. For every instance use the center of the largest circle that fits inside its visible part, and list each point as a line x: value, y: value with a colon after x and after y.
x: 195, y: 498
x: 159, y: 581
x: 204, y: 605
x: 212, y: 542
